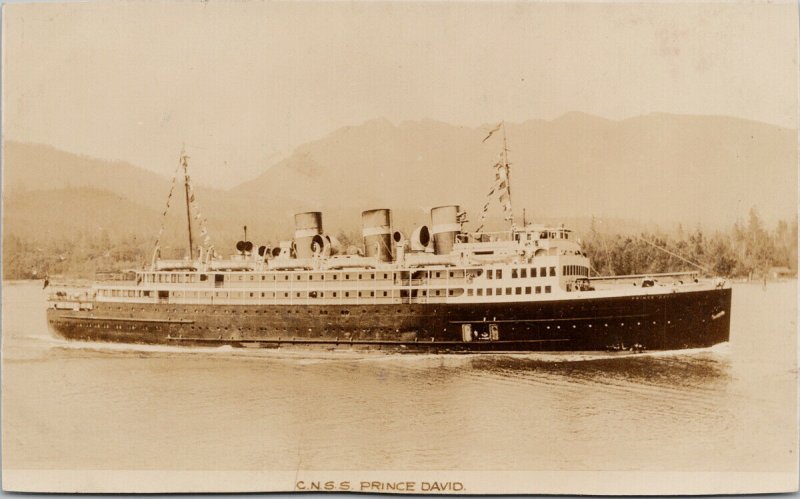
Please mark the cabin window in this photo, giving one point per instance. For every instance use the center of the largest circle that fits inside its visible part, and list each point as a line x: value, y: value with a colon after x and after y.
x: 385, y: 276
x: 334, y: 294
x: 547, y: 289
x: 385, y: 293
x: 514, y: 274
x: 298, y: 277
x: 286, y: 277
x: 552, y: 271
x: 335, y: 276
x: 347, y: 294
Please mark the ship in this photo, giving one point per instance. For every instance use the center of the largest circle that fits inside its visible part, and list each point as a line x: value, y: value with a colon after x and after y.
x: 440, y: 289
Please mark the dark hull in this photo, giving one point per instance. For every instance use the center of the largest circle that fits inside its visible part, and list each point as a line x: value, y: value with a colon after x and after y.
x: 653, y: 322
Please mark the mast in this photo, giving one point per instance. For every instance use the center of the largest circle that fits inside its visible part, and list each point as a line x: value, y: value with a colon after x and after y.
x: 507, y: 169
x: 185, y: 165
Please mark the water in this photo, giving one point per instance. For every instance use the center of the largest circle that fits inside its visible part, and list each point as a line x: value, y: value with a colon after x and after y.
x: 107, y: 406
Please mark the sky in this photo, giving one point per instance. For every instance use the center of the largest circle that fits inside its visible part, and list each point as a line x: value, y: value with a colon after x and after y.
x: 242, y: 84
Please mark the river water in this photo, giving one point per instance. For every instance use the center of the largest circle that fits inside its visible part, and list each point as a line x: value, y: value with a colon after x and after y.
x: 98, y: 406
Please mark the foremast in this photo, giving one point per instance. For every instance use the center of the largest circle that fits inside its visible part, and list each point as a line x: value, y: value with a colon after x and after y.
x: 502, y: 185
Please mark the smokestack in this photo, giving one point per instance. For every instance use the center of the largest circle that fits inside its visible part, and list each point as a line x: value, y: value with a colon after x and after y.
x: 444, y: 227
x: 377, y: 231
x: 306, y: 226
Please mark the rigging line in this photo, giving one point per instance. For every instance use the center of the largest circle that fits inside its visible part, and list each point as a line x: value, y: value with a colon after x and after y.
x: 166, y: 208
x: 673, y: 254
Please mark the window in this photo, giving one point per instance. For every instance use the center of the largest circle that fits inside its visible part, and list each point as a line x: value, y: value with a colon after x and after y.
x: 518, y: 291
x: 489, y: 292
x: 542, y: 271
x: 552, y: 271
x: 489, y: 274
x: 469, y: 292
x: 498, y: 291
x: 480, y: 292
x: 524, y: 273
x: 538, y: 289
x: 547, y: 289
x: 452, y: 274
x: 514, y: 274
x: 533, y: 271
x: 527, y: 290
x: 499, y: 274
x: 508, y: 291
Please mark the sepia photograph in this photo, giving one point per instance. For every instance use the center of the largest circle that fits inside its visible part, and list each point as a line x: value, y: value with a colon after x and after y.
x: 400, y: 247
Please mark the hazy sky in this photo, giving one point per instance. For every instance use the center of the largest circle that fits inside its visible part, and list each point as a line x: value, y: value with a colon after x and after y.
x: 243, y: 83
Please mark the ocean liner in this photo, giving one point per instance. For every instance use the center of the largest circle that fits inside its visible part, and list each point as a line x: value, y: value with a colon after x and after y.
x: 442, y: 289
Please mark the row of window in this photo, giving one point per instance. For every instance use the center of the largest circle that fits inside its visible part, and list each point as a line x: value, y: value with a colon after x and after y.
x: 510, y: 291
x: 302, y: 276
x: 522, y: 273
x: 298, y: 276
x: 272, y: 294
x: 576, y: 270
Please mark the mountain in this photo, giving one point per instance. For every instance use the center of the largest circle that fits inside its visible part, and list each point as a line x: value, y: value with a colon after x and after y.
x: 655, y: 169
x: 658, y: 168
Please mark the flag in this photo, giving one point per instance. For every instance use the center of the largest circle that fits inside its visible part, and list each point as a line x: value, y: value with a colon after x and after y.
x: 493, y: 131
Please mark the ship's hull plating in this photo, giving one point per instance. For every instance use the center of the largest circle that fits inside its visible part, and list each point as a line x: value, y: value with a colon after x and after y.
x: 653, y: 322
